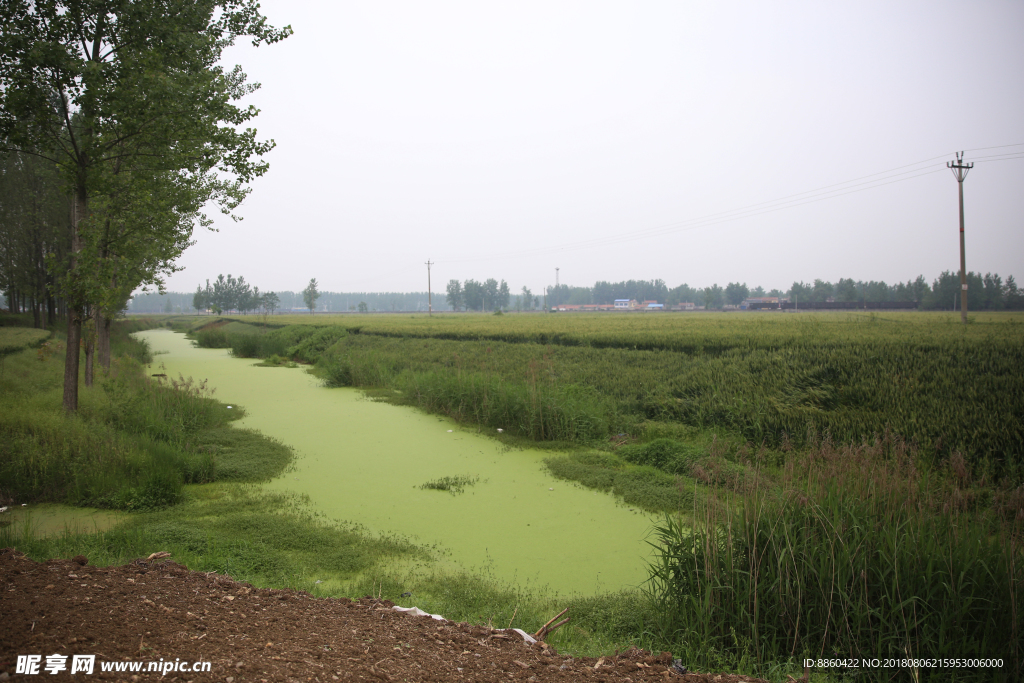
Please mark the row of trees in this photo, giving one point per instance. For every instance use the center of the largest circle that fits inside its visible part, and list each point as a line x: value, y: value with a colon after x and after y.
x: 34, y: 233
x: 471, y: 295
x: 131, y: 115
x: 233, y: 294
x: 178, y: 302
x: 985, y: 292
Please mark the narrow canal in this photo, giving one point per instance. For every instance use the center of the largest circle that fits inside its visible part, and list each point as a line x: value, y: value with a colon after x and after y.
x: 362, y: 461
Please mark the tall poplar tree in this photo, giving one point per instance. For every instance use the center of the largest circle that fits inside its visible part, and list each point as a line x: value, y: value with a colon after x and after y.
x: 310, y: 294
x: 128, y: 99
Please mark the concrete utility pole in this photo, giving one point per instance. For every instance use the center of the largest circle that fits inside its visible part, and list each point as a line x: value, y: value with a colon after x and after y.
x: 960, y: 170
x: 430, y: 296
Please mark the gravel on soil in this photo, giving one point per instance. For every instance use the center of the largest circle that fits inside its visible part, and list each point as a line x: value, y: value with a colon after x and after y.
x: 153, y: 610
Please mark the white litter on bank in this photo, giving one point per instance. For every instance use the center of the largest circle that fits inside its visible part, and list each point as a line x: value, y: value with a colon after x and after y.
x: 417, y: 612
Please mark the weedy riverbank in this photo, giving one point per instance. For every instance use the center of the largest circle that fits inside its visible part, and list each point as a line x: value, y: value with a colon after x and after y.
x: 164, y: 451
x: 836, y: 485
x: 135, y: 442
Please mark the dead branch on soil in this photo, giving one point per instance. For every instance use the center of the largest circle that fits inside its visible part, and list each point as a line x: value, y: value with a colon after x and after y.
x: 547, y: 628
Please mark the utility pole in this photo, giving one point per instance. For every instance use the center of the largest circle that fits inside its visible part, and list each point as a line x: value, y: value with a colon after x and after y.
x: 960, y: 170
x: 430, y: 296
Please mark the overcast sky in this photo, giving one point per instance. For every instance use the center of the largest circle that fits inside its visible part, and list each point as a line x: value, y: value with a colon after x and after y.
x: 619, y: 140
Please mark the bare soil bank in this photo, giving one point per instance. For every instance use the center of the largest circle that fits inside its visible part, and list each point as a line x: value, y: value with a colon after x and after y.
x: 152, y: 610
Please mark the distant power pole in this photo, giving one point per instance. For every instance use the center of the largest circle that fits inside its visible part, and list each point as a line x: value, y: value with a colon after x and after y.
x: 960, y: 170
x: 556, y: 277
x: 430, y: 296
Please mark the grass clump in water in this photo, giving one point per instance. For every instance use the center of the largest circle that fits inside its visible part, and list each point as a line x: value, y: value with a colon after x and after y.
x: 452, y: 485
x: 276, y: 361
x: 643, y: 486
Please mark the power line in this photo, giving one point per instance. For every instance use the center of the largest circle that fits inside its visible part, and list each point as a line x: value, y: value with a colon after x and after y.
x: 871, y: 181
x: 867, y: 182
x: 708, y: 220
x: 985, y: 161
x: 430, y: 296
x: 960, y: 170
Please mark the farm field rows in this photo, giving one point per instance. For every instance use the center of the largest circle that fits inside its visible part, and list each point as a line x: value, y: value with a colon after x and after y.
x: 672, y: 331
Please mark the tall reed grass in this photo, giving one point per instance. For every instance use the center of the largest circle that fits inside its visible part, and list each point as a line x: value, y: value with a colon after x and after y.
x: 855, y: 554
x: 533, y: 406
x: 304, y: 343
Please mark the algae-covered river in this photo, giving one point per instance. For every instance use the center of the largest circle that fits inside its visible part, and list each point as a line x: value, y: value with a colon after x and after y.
x: 363, y: 461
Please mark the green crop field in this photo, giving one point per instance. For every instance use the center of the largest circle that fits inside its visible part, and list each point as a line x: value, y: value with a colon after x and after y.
x: 670, y: 331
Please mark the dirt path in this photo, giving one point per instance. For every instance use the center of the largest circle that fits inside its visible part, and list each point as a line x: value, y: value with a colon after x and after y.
x: 149, y: 611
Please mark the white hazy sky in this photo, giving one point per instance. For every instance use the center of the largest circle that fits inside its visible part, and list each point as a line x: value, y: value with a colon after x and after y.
x: 619, y: 140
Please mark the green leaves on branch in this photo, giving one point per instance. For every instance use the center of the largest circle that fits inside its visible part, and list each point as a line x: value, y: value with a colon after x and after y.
x: 129, y: 102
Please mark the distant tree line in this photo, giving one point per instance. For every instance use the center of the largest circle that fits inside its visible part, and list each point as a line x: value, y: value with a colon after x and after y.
x: 985, y: 292
x: 233, y: 294
x: 341, y: 302
x: 331, y: 302
x: 471, y: 295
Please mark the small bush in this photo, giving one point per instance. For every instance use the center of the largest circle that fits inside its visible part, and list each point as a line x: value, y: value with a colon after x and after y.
x: 257, y: 345
x: 211, y: 338
x: 313, y: 346
x: 643, y: 486
x: 334, y: 370
x: 669, y: 455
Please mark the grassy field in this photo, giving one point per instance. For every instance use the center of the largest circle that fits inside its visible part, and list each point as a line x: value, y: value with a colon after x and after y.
x: 17, y: 338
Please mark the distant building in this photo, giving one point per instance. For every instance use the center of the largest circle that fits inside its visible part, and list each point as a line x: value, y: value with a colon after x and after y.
x: 685, y: 306
x: 759, y: 302
x: 624, y: 304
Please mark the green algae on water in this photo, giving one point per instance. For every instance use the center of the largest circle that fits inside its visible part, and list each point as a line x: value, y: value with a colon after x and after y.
x: 363, y: 461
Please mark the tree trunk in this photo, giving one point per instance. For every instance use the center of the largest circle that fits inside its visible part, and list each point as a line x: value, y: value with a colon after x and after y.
x: 71, y: 359
x: 90, y: 352
x: 74, y: 305
x: 103, y: 339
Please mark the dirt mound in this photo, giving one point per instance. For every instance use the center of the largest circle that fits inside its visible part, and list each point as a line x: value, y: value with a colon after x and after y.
x: 156, y: 611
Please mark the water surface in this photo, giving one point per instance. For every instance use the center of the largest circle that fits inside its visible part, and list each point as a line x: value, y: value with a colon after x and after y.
x: 364, y: 461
